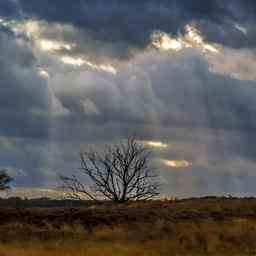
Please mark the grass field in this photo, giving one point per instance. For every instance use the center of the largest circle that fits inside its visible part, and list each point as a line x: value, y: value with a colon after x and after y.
x: 210, y: 226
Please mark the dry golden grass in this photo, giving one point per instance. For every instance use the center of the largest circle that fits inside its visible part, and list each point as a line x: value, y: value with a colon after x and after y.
x: 185, y: 228
x: 89, y: 248
x: 233, y: 237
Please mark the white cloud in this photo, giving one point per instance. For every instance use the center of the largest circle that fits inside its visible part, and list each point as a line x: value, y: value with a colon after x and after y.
x: 192, y: 39
x: 239, y: 64
x: 89, y: 107
x: 177, y: 163
x: 73, y: 61
x: 43, y: 73
x: 57, y: 109
x: 155, y: 144
x: 78, y: 61
x: 241, y: 28
x: 50, y: 45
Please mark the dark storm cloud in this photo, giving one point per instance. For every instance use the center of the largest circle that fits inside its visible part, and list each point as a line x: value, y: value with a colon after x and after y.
x: 179, y: 91
x: 8, y: 8
x: 207, y: 118
x: 132, y: 22
x: 23, y: 94
x: 233, y: 33
x: 185, y: 98
x: 26, y: 160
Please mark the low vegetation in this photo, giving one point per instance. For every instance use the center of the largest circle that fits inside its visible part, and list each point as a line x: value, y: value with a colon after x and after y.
x: 207, y: 226
x: 5, y: 180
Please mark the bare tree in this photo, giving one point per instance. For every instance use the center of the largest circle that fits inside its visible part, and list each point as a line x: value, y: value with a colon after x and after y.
x: 121, y: 173
x: 5, y: 180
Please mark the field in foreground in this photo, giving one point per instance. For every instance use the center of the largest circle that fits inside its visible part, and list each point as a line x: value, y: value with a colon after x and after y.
x: 209, y: 226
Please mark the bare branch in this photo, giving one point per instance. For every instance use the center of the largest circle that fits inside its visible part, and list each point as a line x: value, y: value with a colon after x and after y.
x: 119, y: 174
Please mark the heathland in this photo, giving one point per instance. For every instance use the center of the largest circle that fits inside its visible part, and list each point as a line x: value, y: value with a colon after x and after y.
x: 206, y: 226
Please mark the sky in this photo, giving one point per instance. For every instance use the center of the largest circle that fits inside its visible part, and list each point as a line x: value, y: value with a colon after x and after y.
x: 179, y: 74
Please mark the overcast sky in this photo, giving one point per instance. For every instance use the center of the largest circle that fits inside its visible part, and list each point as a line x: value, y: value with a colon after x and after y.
x: 181, y: 75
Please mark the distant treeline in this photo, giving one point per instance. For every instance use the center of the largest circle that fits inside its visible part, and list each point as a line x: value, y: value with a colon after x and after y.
x: 44, y: 202
x: 17, y: 202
